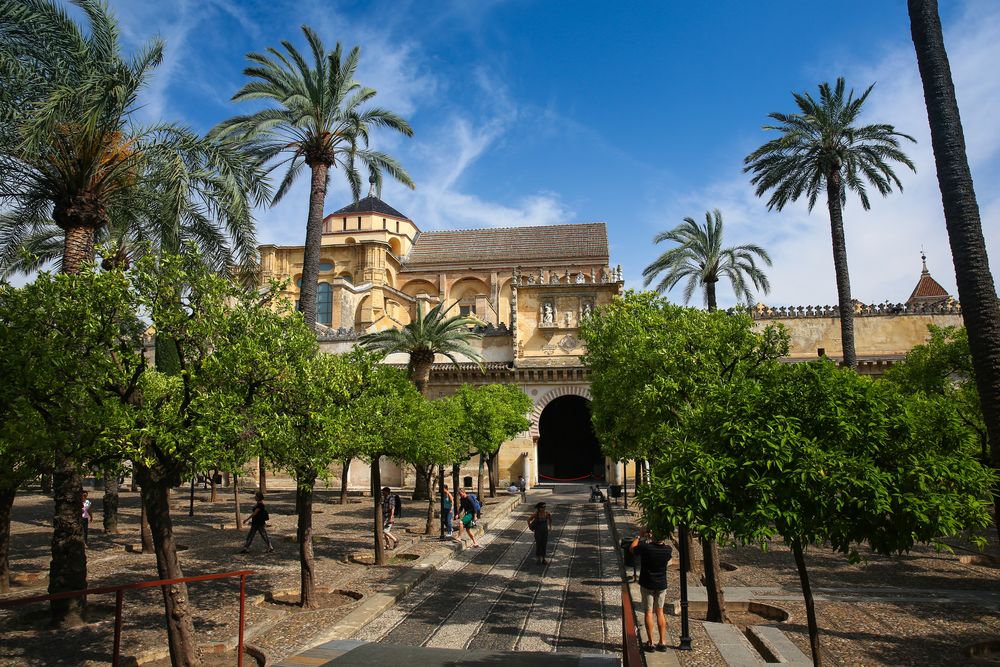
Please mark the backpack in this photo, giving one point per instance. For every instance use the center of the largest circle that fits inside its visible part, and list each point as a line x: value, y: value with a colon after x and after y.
x: 265, y: 515
x: 477, y: 507
x: 398, y: 502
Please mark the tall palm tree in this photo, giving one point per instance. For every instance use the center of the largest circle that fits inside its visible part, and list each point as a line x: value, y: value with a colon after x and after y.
x: 426, y: 336
x: 320, y: 121
x: 823, y: 147
x: 71, y: 155
x: 976, y: 290
x: 700, y: 258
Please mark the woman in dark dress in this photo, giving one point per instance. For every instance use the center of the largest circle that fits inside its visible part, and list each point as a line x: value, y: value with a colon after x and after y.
x: 540, y: 522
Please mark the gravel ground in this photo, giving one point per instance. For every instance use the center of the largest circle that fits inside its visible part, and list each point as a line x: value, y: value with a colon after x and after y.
x: 856, y: 629
x: 341, y: 531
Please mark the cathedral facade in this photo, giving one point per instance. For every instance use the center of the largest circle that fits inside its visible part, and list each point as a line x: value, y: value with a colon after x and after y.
x: 531, y: 287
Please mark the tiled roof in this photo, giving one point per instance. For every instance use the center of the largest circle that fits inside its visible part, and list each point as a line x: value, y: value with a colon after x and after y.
x: 370, y: 204
x: 510, y: 244
x: 927, y: 289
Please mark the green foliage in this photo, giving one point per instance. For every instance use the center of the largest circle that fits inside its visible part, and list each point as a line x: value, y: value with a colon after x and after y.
x: 700, y: 258
x: 490, y: 415
x: 819, y: 455
x: 943, y: 367
x: 824, y: 139
x: 651, y: 361
x: 384, y: 418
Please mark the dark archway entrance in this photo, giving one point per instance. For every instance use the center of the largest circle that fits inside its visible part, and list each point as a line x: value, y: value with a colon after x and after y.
x: 567, y: 447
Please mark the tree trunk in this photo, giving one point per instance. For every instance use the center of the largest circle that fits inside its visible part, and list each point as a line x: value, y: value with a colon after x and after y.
x: 78, y: 248
x: 344, y: 474
x: 710, y: 295
x: 844, y: 300
x: 800, y: 563
x: 479, y: 482
x: 420, y: 372
x: 236, y: 502
x: 455, y: 474
x: 493, y: 471
x: 45, y: 482
x: 976, y: 290
x: 261, y: 475
x: 6, y: 503
x: 214, y: 494
x: 713, y: 581
x: 109, y: 503
x: 68, y: 569
x: 314, y: 238
x: 305, y: 481
x: 180, y: 625
x: 430, y: 504
x: 376, y: 476
x: 145, y: 535
x: 689, y: 545
x: 421, y: 488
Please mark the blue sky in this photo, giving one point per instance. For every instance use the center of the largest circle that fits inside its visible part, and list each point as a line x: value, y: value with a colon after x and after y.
x: 533, y: 112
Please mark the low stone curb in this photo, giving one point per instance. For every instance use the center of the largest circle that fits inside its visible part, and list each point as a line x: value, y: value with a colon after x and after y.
x: 374, y: 605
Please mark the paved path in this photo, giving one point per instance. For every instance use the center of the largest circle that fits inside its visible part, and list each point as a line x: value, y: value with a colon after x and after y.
x: 497, y: 599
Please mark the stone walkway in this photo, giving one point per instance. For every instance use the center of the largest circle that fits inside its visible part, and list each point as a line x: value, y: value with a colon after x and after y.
x: 497, y: 599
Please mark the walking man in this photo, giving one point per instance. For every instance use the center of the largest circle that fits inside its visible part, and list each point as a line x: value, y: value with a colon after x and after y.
x: 467, y: 517
x: 655, y: 556
x: 258, y: 524
x: 522, y: 486
x: 390, y: 504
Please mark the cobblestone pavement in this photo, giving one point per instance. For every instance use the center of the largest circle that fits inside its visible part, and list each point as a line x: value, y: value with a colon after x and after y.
x: 497, y: 598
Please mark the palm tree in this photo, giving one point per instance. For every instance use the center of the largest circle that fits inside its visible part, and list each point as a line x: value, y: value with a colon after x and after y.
x: 700, y: 259
x: 822, y: 146
x: 71, y: 156
x: 423, y: 338
x: 976, y: 291
x: 320, y: 123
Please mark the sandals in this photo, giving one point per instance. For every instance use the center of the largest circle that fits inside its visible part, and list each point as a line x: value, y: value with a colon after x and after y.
x: 648, y: 647
x: 661, y: 647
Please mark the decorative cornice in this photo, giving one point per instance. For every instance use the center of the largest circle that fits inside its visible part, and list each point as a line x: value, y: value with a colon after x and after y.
x: 762, y: 312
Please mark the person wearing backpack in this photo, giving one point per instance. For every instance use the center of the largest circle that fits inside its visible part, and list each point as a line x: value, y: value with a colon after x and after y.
x: 258, y: 519
x: 392, y: 508
x: 477, y: 508
x: 467, y: 514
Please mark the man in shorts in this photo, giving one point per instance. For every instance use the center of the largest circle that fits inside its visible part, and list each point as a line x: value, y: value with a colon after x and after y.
x: 655, y: 555
x: 388, y: 518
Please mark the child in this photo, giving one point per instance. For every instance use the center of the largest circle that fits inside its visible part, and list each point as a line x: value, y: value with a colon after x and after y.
x: 257, y: 520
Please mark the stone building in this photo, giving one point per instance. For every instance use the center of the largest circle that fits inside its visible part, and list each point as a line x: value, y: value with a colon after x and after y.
x: 531, y: 287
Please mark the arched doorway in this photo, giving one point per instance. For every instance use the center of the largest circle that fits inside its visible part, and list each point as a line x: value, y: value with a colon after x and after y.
x: 568, y: 450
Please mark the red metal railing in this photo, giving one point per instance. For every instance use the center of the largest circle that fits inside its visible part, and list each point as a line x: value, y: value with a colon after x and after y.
x: 631, y: 653
x: 119, y: 592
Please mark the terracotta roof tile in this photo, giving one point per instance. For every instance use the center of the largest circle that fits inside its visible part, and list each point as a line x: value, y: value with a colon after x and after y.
x: 510, y: 244
x: 927, y: 290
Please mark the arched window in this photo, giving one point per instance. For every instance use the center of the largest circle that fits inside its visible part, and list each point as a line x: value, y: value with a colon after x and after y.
x: 324, y: 304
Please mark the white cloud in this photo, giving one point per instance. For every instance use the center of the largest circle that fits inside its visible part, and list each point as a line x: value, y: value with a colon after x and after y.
x: 883, y: 244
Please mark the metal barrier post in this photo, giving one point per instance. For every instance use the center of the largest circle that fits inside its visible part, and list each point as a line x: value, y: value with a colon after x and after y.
x: 116, y: 652
x: 243, y: 597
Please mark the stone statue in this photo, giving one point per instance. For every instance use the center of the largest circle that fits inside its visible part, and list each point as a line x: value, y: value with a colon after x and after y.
x: 553, y: 278
x: 548, y: 314
x: 585, y: 310
x: 618, y: 274
x: 580, y: 278
x: 568, y: 319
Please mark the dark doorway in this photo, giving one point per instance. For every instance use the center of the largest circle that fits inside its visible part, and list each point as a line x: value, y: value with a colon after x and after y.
x: 568, y: 450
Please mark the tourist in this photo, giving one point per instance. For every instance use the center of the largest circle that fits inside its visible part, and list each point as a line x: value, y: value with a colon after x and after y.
x: 85, y: 518
x: 447, y: 512
x: 258, y: 519
x: 522, y: 486
x: 595, y: 494
x: 390, y: 506
x: 466, y: 516
x: 540, y: 522
x: 655, y: 555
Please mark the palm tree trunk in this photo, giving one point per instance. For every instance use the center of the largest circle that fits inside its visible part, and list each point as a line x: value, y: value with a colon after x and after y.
x: 181, y: 638
x: 314, y: 238
x: 344, y: 474
x: 6, y: 503
x: 800, y: 563
x: 376, y: 476
x: 68, y: 569
x: 78, y: 248
x: 109, y: 503
x: 976, y: 290
x: 305, y: 480
x: 845, y: 302
x: 710, y: 295
x: 421, y: 374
